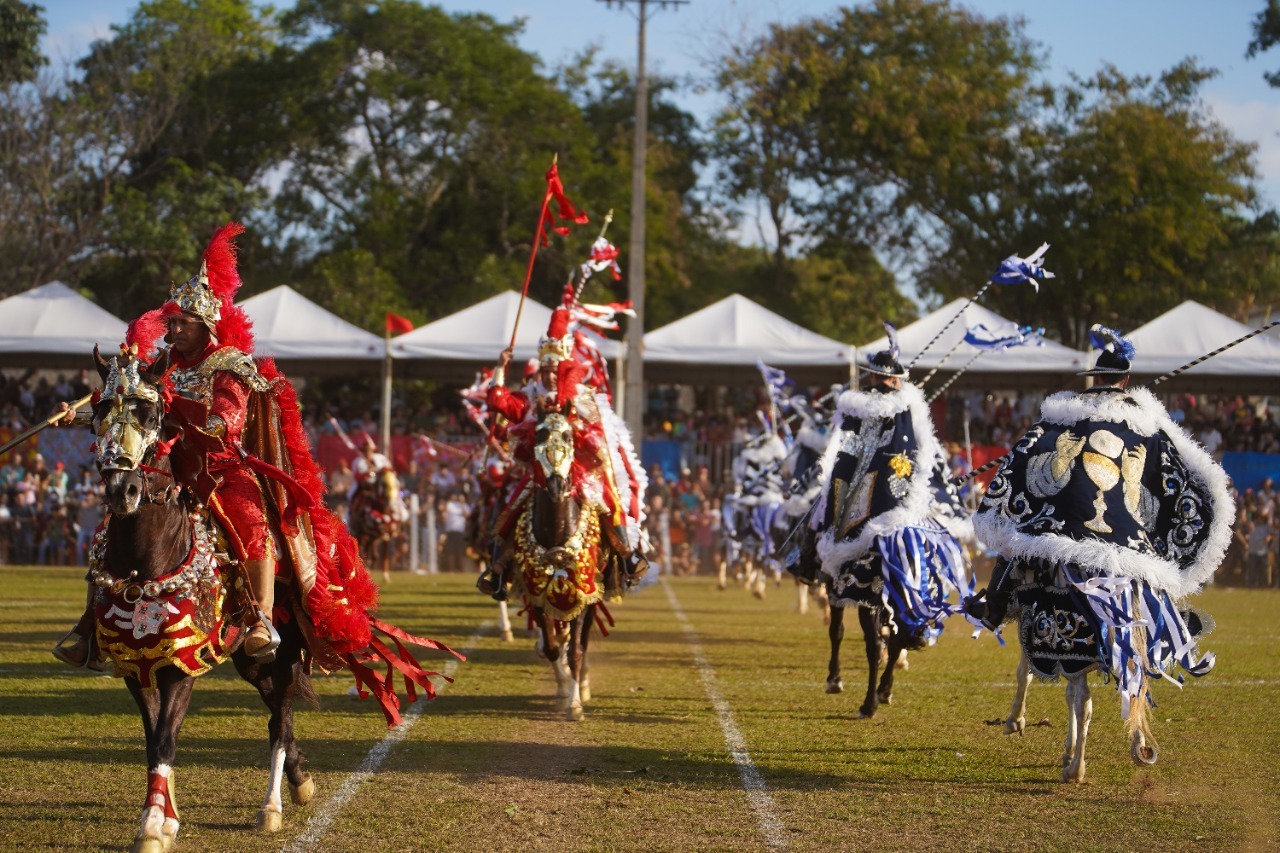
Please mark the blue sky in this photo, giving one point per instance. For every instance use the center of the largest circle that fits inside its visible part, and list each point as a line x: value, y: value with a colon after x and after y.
x: 1137, y: 36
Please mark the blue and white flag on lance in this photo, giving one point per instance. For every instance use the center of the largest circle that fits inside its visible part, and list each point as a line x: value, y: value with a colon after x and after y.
x: 999, y: 340
x: 1028, y: 270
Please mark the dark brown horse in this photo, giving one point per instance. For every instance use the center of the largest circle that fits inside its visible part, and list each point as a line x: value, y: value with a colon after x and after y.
x: 157, y: 559
x: 558, y: 555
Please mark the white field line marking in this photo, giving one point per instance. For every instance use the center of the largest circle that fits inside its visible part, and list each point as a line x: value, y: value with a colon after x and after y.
x: 320, y: 822
x: 772, y: 829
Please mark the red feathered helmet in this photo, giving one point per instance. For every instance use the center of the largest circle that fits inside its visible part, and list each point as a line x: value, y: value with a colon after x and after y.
x: 209, y: 295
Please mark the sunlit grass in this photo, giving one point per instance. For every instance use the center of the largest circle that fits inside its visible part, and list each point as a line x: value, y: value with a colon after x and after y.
x: 492, y: 765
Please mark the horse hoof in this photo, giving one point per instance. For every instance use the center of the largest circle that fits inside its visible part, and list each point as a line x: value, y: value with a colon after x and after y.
x: 885, y: 698
x: 302, y: 794
x: 865, y: 713
x: 507, y: 636
x: 575, y: 714
x: 1077, y: 777
x: 1015, y: 726
x: 585, y: 692
x: 902, y: 664
x: 151, y: 845
x: 269, y: 821
x: 1143, y: 755
x: 836, y: 686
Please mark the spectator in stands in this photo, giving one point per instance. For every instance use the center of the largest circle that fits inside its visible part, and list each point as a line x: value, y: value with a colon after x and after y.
x: 1259, y: 536
x: 1211, y: 439
x: 453, y: 539
x: 341, y: 482
x: 88, y: 516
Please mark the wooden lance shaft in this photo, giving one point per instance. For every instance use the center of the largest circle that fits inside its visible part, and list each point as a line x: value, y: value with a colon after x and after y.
x: 43, y: 425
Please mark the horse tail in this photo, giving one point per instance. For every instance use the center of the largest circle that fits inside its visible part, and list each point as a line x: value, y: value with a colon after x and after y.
x: 305, y: 690
x: 1142, y: 744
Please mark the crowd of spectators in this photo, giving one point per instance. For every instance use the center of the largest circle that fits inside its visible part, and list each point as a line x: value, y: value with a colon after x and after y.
x: 1253, y: 559
x: 50, y: 495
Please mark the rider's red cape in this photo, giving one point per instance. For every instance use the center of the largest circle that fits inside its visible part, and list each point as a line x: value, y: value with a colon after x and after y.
x: 341, y: 600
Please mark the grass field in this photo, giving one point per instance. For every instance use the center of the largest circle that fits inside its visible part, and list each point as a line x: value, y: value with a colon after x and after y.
x: 491, y: 765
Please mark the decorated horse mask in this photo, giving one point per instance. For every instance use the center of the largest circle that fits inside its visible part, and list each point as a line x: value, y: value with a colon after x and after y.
x: 128, y: 415
x: 554, y: 450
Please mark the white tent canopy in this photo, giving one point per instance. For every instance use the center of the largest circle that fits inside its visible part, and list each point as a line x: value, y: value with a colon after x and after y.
x: 290, y: 327
x: 475, y: 336
x: 53, y: 326
x: 736, y: 333
x: 1191, y: 330
x: 1051, y: 358
x: 482, y: 331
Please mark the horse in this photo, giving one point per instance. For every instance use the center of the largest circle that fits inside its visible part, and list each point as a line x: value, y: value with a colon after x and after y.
x: 1142, y: 748
x: 158, y: 555
x: 558, y: 558
x: 377, y: 514
x: 899, y: 589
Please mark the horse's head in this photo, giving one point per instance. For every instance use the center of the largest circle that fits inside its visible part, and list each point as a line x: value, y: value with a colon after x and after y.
x: 554, y: 451
x: 126, y: 421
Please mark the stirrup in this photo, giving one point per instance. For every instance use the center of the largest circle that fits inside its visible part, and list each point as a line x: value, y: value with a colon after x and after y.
x: 93, y: 660
x: 635, y: 567
x: 491, y: 584
x: 267, y: 653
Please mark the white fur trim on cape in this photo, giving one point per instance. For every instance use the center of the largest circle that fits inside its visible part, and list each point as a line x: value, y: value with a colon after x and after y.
x: 1143, y: 414
x: 915, y: 505
x: 618, y: 438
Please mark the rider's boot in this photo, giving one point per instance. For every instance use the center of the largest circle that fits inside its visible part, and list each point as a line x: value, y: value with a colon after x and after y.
x: 79, y: 648
x: 263, y: 639
x: 495, y: 580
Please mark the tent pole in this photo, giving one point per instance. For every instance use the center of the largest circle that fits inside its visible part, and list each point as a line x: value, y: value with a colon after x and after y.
x: 386, y: 395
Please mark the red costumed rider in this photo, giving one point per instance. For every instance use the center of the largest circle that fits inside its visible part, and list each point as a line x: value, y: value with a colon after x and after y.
x: 240, y: 449
x: 560, y: 386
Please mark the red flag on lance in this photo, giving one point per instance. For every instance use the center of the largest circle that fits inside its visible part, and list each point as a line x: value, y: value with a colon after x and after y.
x: 397, y: 325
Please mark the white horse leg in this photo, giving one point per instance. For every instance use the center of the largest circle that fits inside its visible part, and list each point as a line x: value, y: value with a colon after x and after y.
x: 159, y: 829
x: 564, y: 679
x: 1017, y: 719
x: 802, y: 598
x: 1080, y: 713
x: 573, y: 703
x: 902, y: 663
x: 504, y: 622
x: 722, y: 573
x: 584, y: 684
x: 270, y: 816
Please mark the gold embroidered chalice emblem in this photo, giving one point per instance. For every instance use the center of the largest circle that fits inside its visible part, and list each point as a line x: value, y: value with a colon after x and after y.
x: 1104, y: 473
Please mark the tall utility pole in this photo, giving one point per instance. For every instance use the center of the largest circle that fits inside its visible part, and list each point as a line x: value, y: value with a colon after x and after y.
x: 634, y: 400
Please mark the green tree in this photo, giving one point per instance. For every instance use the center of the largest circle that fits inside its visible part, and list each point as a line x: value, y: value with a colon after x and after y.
x: 421, y: 137
x: 1266, y: 34
x: 1148, y: 200
x: 21, y: 26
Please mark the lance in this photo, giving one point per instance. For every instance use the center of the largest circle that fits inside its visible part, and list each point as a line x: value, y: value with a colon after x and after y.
x: 533, y: 253
x: 1218, y: 351
x: 947, y: 384
x: 1026, y: 270
x: 938, y: 366
x: 43, y: 425
x: 1164, y: 378
x: 582, y: 277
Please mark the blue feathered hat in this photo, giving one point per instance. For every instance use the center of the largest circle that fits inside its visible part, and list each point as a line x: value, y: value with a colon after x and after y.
x: 885, y: 362
x: 1116, y: 356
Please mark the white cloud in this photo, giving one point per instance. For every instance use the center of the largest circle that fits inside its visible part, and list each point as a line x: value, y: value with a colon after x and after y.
x: 1254, y: 121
